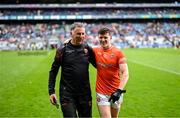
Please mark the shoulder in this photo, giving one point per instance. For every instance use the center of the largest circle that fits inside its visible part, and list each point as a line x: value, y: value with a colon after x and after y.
x: 86, y: 46
x: 116, y: 49
x: 96, y: 48
x: 118, y: 52
x: 62, y: 48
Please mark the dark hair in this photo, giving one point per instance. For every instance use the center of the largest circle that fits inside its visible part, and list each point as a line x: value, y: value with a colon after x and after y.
x: 104, y: 31
x: 77, y: 24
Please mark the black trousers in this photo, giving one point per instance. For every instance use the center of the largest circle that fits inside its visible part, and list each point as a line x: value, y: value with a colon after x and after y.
x: 76, y: 106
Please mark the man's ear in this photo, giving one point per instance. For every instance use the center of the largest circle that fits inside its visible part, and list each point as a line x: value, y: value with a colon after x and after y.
x: 71, y: 32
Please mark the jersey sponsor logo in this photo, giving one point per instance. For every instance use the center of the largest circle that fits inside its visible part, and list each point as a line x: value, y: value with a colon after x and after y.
x: 70, y: 51
x: 107, y: 56
x: 104, y: 65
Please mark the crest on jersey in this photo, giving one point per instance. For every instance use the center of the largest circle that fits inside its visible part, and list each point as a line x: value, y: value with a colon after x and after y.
x: 99, y: 53
x: 112, y: 56
x: 85, y: 51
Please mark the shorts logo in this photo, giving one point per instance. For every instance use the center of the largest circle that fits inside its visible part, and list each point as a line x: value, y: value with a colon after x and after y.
x: 98, y: 99
x: 101, y: 100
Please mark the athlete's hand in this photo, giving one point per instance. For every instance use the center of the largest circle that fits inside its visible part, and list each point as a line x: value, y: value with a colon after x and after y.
x: 116, y: 95
x: 53, y: 99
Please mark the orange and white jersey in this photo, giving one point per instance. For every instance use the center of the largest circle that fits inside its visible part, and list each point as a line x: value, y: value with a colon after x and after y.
x: 107, y: 62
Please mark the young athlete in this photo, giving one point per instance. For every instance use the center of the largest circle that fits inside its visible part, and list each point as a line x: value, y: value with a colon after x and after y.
x: 112, y: 75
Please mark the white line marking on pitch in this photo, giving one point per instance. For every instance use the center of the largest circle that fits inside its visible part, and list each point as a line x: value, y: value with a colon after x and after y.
x: 155, y: 67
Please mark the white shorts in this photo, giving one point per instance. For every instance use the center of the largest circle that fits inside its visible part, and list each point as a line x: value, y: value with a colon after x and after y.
x: 102, y: 99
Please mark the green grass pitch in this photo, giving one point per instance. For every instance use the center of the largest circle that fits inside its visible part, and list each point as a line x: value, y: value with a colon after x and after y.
x: 153, y: 89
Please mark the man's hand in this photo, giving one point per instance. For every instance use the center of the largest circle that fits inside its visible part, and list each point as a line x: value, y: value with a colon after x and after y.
x: 116, y: 95
x: 53, y: 100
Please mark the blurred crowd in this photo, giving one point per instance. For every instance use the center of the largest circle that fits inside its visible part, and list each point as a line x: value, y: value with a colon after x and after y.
x: 90, y: 11
x: 125, y: 35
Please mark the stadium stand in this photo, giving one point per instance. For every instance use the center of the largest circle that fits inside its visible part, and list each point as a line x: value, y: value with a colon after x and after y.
x: 41, y: 27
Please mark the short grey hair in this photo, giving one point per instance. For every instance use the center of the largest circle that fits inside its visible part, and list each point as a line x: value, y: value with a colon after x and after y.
x: 77, y: 24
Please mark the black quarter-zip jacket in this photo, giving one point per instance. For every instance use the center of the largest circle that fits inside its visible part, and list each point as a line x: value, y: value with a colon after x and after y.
x: 74, y: 62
